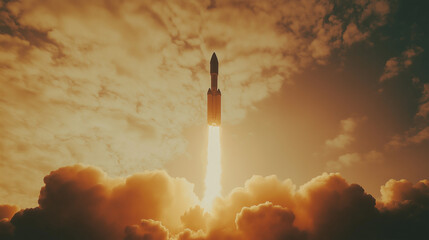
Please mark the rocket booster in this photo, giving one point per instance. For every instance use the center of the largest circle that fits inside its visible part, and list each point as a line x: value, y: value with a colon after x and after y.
x: 213, y: 95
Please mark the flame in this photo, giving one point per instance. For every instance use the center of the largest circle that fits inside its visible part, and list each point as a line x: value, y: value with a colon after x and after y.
x: 213, y: 172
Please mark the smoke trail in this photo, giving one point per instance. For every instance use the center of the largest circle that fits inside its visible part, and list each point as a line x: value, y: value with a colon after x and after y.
x: 213, y: 171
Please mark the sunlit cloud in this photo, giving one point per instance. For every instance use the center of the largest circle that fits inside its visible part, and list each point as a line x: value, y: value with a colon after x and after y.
x: 352, y: 159
x: 80, y: 201
x: 345, y: 160
x: 345, y: 137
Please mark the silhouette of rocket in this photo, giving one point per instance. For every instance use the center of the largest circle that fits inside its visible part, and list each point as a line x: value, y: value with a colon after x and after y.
x: 213, y: 95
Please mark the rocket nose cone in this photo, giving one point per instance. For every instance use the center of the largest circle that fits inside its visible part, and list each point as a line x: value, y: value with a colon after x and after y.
x: 214, y: 65
x: 214, y: 57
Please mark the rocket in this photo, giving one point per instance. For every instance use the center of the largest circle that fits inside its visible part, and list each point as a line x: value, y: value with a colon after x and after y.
x: 213, y: 95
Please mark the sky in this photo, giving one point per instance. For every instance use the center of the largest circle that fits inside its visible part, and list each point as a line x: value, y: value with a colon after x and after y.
x: 318, y: 97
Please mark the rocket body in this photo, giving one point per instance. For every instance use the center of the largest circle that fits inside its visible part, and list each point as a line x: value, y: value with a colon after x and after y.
x: 213, y: 95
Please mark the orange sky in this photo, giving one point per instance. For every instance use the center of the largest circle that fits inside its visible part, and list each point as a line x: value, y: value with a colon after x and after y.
x: 308, y: 87
x: 325, y: 119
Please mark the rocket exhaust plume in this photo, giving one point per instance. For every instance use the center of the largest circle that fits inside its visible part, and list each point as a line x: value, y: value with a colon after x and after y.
x: 213, y: 172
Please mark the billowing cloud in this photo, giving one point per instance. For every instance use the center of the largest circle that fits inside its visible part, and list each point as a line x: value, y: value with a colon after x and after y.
x: 397, y: 64
x: 405, y: 207
x: 396, y: 193
x: 148, y: 229
x: 268, y: 221
x: 108, y: 82
x: 79, y: 202
x: 195, y: 218
x: 6, y: 213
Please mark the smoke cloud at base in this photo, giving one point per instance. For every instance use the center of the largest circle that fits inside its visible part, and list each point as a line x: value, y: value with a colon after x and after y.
x: 82, y: 202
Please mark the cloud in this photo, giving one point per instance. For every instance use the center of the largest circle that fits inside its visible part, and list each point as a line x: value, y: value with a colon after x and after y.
x: 329, y: 200
x: 349, y: 159
x: 352, y: 34
x: 419, y: 134
x: 257, y: 190
x: 7, y: 211
x: 6, y: 228
x: 80, y: 202
x: 374, y: 156
x: 268, y: 221
x: 391, y: 69
x: 424, y: 102
x: 413, y: 136
x: 396, y: 193
x: 345, y: 137
x: 374, y: 8
x: 405, y: 207
x: 84, y: 203
x: 195, y: 218
x: 148, y: 229
x: 345, y: 160
x: 107, y: 83
x: 343, y: 140
x: 397, y: 64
